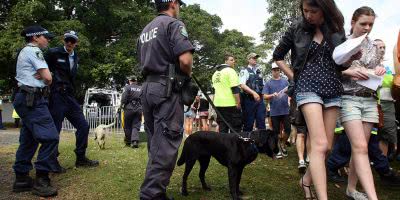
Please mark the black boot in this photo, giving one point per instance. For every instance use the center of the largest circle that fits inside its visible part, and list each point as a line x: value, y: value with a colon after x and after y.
x: 23, y: 182
x: 42, y: 186
x: 85, y: 162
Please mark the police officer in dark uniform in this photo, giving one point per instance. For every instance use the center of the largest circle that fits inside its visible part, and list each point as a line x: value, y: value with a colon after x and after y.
x: 63, y: 63
x: 132, y: 106
x: 33, y: 77
x: 252, y: 84
x: 164, y: 41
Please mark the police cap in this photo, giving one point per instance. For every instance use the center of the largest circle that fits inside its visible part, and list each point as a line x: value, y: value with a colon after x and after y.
x: 252, y: 55
x: 167, y: 1
x: 72, y: 35
x: 36, y: 30
x: 132, y: 78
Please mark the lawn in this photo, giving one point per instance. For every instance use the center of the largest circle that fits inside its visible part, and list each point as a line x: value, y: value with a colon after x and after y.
x: 122, y: 169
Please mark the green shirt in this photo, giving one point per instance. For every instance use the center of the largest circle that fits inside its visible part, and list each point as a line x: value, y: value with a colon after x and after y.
x: 223, y: 80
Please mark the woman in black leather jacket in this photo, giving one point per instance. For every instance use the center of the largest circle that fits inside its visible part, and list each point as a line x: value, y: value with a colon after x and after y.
x: 317, y: 91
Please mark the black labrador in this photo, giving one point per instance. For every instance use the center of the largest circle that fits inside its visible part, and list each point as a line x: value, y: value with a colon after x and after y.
x: 230, y: 150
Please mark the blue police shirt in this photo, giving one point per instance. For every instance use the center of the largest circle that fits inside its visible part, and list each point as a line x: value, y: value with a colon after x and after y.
x: 278, y: 105
x: 29, y: 61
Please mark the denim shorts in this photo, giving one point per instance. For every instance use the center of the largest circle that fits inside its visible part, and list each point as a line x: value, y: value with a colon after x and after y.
x: 311, y: 97
x: 359, y: 108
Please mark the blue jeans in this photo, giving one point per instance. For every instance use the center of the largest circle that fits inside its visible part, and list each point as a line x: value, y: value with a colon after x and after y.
x: 341, y: 154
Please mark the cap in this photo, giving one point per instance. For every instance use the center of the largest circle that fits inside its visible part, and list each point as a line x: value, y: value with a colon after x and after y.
x: 275, y: 66
x: 36, y: 30
x: 252, y: 55
x: 71, y: 34
x: 167, y: 1
x: 132, y: 78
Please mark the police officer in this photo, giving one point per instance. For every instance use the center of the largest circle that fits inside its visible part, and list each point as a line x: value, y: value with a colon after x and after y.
x: 163, y: 42
x: 33, y: 77
x: 132, y: 106
x: 252, y: 84
x: 63, y: 63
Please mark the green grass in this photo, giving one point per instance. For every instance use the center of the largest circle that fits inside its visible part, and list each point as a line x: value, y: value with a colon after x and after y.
x: 122, y: 169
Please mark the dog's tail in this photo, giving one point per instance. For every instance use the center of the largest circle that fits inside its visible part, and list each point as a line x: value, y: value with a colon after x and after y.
x: 109, y: 125
x: 182, y: 159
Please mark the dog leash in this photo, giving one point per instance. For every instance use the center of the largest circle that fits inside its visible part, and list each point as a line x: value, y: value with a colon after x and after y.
x: 216, y: 110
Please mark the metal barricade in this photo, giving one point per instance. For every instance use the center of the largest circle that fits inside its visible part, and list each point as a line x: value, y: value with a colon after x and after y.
x: 96, y: 116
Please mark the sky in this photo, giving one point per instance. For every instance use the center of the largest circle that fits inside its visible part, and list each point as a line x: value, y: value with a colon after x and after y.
x: 249, y: 17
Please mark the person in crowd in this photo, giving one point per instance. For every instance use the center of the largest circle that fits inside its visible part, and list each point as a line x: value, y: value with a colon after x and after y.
x: 301, y: 139
x: 189, y: 116
x: 212, y: 116
x: 359, y: 110
x: 225, y: 81
x: 31, y: 103
x: 203, y: 113
x: 132, y: 106
x: 63, y: 63
x: 162, y: 44
x: 317, y: 88
x: 274, y: 92
x: 1, y: 117
x: 252, y: 83
x: 16, y: 118
x: 388, y: 133
x: 341, y: 155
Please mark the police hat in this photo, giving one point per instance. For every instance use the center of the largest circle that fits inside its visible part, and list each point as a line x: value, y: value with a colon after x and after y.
x: 71, y: 34
x: 36, y: 30
x: 132, y: 78
x: 167, y: 1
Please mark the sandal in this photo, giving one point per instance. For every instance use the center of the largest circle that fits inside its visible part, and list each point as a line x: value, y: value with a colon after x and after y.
x: 307, y: 187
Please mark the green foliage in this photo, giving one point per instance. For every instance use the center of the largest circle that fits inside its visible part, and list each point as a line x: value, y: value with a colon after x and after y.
x: 108, y: 30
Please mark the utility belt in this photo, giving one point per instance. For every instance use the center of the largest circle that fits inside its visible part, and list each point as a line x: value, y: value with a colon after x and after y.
x: 361, y: 94
x: 61, y: 88
x: 32, y: 92
x: 176, y: 83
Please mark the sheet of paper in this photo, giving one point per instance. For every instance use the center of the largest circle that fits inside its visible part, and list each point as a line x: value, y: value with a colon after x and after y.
x: 282, y: 93
x: 343, y: 52
x: 373, y: 82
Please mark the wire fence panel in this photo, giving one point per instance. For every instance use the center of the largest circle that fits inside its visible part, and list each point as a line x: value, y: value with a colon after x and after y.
x: 95, y: 116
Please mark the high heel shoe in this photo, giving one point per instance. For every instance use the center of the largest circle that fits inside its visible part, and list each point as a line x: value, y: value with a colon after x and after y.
x: 305, y: 187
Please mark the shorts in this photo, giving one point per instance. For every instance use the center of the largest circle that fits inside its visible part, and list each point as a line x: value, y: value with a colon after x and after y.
x: 203, y: 114
x: 359, y: 108
x: 189, y: 114
x: 311, y: 97
x: 389, y: 131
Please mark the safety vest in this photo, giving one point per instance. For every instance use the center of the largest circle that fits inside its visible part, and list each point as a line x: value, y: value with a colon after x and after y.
x: 255, y: 81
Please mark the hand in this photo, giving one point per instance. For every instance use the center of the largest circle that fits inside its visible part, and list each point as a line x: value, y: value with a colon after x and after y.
x: 356, y: 56
x: 275, y: 94
x: 37, y: 76
x: 256, y: 97
x: 358, y: 74
x: 380, y: 71
x: 238, y: 106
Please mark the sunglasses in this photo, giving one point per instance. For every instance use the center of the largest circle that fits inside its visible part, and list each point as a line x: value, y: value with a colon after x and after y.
x: 71, y: 40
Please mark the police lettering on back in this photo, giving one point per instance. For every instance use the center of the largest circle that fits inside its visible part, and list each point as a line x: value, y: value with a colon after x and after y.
x: 146, y: 37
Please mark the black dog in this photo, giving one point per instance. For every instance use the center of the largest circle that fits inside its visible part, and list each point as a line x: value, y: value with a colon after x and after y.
x: 230, y: 150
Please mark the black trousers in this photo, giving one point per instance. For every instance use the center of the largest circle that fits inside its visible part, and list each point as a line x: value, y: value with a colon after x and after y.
x: 233, y: 116
x: 276, y: 124
x: 132, y: 123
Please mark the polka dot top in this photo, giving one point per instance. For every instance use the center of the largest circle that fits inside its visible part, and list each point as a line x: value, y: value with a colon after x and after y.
x: 320, y: 76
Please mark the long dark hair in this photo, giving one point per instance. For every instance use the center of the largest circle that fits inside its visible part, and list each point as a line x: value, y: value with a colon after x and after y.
x: 365, y: 10
x: 332, y: 15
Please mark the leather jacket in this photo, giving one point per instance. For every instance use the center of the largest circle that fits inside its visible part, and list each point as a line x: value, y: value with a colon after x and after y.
x: 298, y: 38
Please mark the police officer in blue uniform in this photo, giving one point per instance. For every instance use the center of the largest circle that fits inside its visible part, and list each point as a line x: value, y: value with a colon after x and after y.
x: 252, y: 84
x: 33, y: 77
x: 132, y: 106
x: 163, y: 43
x: 63, y: 63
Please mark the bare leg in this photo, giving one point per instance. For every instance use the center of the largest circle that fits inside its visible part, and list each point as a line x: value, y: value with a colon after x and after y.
x: 300, y: 145
x: 321, y: 124
x: 358, y: 134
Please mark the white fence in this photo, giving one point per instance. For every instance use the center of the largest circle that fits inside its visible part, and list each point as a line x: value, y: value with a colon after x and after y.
x: 96, y: 116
